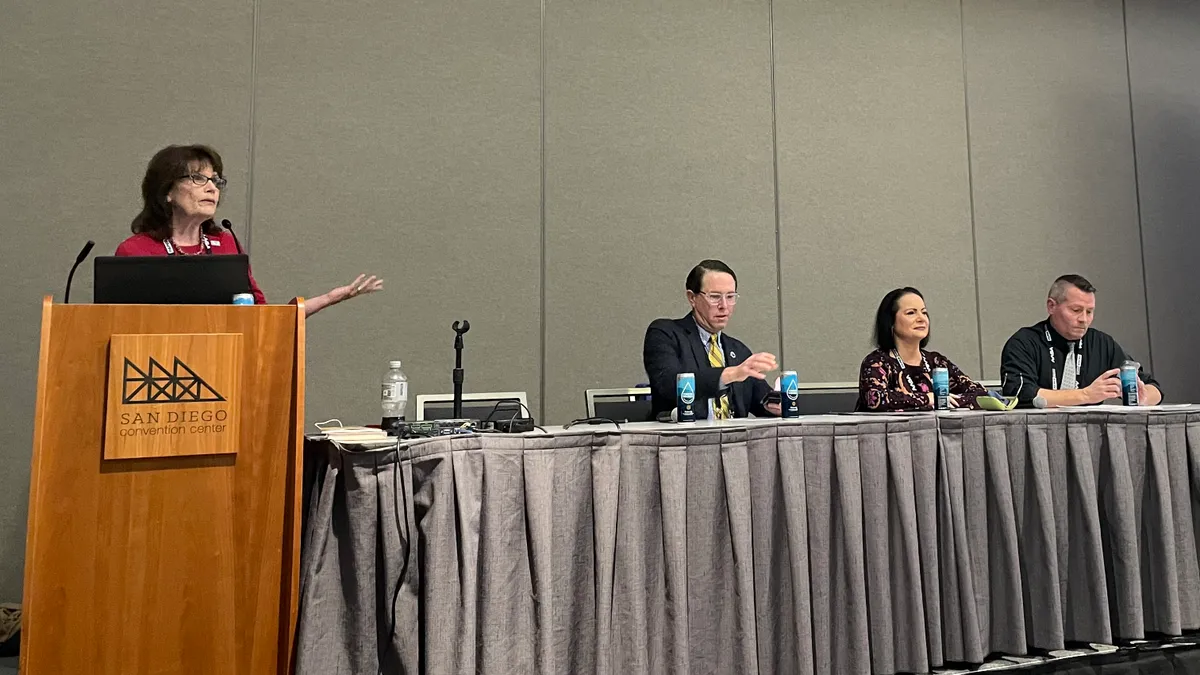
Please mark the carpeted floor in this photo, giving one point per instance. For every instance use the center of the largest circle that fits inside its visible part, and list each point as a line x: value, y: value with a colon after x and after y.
x: 1179, y: 656
x: 1167, y: 656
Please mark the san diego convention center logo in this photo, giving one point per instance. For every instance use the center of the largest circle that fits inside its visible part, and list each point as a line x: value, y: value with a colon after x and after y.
x: 155, y: 384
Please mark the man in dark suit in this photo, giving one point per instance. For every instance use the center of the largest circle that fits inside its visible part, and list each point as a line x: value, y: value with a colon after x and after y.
x: 730, y: 380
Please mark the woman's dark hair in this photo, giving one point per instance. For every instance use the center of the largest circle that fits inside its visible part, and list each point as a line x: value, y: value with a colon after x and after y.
x: 885, y: 318
x: 167, y: 166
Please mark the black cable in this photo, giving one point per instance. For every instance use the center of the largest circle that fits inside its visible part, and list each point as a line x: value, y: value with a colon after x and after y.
x: 521, y: 407
x: 593, y: 420
x: 496, y: 407
x: 539, y: 428
x: 510, y: 420
x: 391, y: 633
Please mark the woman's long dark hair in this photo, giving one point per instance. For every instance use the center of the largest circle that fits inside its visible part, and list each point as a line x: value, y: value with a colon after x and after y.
x: 885, y: 318
x: 167, y: 166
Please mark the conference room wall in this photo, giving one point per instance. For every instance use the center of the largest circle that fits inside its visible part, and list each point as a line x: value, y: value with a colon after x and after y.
x: 403, y: 140
x: 1164, y: 63
x: 1052, y: 164
x: 407, y: 140
x: 658, y: 154
x: 87, y: 95
x: 873, y: 185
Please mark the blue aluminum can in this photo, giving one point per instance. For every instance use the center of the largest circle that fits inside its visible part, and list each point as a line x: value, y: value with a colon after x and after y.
x: 1129, y: 382
x: 789, y: 387
x: 243, y: 299
x: 685, y: 397
x: 941, y: 388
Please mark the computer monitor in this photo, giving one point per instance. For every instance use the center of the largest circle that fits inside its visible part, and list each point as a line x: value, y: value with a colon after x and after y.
x: 827, y: 400
x: 483, y: 406
x: 630, y: 404
x: 171, y: 280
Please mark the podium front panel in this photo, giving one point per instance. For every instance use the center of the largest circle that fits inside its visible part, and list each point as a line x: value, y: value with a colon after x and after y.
x: 163, y: 556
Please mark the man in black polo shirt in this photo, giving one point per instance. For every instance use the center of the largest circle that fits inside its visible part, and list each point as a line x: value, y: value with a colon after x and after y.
x: 1065, y: 361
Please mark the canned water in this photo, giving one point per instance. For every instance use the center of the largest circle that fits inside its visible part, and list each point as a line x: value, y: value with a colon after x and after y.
x: 1129, y: 382
x: 789, y: 402
x: 685, y: 397
x: 941, y: 388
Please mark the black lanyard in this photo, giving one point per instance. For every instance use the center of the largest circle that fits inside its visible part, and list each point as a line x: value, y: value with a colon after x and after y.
x: 172, y: 249
x: 912, y: 387
x: 1078, y: 360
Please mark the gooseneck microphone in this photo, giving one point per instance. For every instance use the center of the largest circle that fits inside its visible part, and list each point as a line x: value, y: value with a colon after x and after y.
x: 229, y: 226
x: 83, y: 254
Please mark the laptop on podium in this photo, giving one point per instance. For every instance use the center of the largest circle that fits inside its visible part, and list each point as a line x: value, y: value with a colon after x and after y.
x: 170, y: 280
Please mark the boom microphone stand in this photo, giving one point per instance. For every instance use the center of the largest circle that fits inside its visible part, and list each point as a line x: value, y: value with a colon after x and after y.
x: 459, y: 330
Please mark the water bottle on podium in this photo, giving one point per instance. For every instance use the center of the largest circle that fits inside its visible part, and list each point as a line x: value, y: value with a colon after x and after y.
x: 393, y: 396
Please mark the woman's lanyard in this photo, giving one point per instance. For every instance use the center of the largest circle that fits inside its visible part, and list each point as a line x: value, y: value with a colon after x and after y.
x: 1078, y: 360
x: 912, y: 386
x: 172, y: 249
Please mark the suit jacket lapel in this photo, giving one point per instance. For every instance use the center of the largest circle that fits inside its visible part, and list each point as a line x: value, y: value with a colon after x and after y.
x: 699, y: 350
x: 733, y: 355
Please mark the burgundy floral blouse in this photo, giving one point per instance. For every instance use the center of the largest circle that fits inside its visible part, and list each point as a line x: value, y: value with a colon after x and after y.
x: 881, y: 374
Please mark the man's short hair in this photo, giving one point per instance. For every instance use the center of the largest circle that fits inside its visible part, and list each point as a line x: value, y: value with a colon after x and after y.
x: 695, y: 278
x: 1058, y: 290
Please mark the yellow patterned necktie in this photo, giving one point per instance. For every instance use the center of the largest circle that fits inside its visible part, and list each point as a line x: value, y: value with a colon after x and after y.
x: 721, y: 404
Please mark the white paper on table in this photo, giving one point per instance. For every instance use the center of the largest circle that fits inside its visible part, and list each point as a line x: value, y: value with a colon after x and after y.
x: 1116, y: 407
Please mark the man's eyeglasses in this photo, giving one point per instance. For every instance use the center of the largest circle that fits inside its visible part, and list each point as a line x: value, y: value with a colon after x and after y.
x: 199, y: 179
x: 715, y: 299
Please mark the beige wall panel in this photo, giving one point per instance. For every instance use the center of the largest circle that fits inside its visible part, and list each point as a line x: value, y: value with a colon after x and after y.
x: 87, y: 94
x: 402, y: 139
x: 873, y: 182
x: 1052, y: 159
x: 658, y: 155
x: 1164, y: 64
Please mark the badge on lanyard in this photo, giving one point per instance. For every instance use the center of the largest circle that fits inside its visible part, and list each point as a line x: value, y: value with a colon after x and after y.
x: 1078, y: 360
x: 205, y: 246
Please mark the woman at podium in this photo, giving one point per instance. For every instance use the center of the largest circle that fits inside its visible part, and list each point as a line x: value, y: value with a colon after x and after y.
x: 180, y: 195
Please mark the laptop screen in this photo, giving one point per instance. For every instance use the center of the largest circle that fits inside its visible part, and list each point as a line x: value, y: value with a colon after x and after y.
x: 171, y: 280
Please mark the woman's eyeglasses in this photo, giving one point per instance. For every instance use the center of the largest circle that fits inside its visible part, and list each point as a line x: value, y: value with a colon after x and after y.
x: 199, y: 179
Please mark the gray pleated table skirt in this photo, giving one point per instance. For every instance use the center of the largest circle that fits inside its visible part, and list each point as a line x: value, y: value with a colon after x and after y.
x: 822, y: 545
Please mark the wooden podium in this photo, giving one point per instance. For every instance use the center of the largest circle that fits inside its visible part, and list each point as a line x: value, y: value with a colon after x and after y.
x: 164, y: 505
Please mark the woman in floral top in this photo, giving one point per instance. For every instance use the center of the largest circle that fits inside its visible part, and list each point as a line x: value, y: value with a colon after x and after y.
x: 898, y: 375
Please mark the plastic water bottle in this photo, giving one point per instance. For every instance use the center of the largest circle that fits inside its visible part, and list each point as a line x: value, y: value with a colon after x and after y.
x: 393, y: 396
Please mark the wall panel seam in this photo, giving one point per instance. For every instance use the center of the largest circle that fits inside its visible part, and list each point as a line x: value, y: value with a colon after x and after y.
x: 542, y: 212
x: 248, y: 227
x: 962, y: 25
x: 1137, y: 187
x: 775, y: 186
